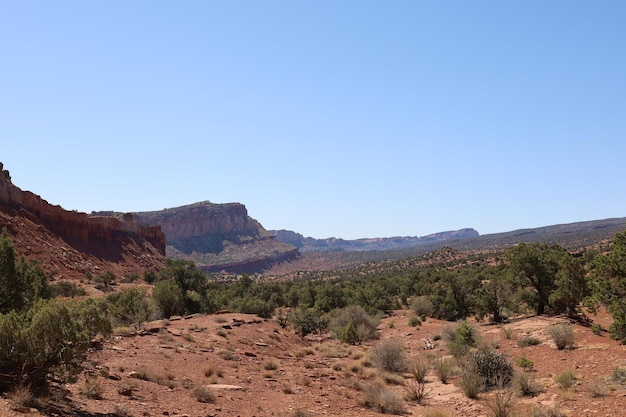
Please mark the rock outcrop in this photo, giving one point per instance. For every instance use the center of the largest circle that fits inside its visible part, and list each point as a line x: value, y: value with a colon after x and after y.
x: 218, y: 237
x: 75, y: 243
x: 333, y: 244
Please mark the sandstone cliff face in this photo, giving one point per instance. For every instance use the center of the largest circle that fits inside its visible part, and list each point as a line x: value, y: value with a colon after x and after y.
x: 76, y: 242
x: 218, y: 237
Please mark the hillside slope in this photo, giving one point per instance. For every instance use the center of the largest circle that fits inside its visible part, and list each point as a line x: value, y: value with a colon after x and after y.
x: 73, y: 244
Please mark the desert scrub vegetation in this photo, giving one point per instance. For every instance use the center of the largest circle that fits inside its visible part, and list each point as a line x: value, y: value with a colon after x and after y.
x: 383, y: 399
x: 203, y: 395
x: 526, y: 364
x: 526, y: 385
x: 389, y: 356
x: 562, y: 335
x: 353, y: 325
x: 92, y: 388
x: 528, y: 341
x: 422, y: 306
x: 566, y: 379
x: 494, y: 367
x: 501, y: 404
x: 444, y: 369
x: 461, y: 337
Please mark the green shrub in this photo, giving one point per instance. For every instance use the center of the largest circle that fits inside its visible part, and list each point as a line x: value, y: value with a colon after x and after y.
x: 414, y: 321
x: 422, y: 306
x: 169, y: 298
x: 562, y: 335
x: 597, y: 329
x: 307, y: 320
x: 149, y: 277
x: 389, y: 356
x: 353, y: 325
x: 66, y: 289
x: 130, y: 306
x: 52, y: 338
x: 494, y: 367
x: 460, y: 338
x: 525, y: 363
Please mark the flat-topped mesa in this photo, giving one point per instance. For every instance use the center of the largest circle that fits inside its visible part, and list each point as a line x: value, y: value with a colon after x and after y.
x: 218, y: 237
x: 93, y: 234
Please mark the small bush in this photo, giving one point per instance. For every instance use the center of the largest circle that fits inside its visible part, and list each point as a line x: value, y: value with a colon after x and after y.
x: 471, y: 382
x: 418, y: 368
x: 382, y: 399
x: 566, y: 379
x: 444, y: 369
x: 508, y: 333
x: 203, y: 395
x: 494, y: 367
x: 270, y: 365
x: 353, y: 325
x: 501, y: 404
x: 211, y: 370
x: 92, y: 388
x: 525, y: 363
x: 525, y: 385
x: 422, y: 306
x: 597, y: 329
x: 562, y: 335
x: 619, y: 375
x: 463, y: 337
x: 414, y: 321
x: 66, y: 289
x: 528, y: 341
x: 416, y: 391
x: 21, y: 396
x: 389, y: 356
x: 597, y: 388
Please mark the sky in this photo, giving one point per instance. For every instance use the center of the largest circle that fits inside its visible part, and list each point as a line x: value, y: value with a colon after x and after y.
x: 335, y: 118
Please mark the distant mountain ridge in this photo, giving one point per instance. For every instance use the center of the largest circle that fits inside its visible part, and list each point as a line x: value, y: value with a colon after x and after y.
x: 309, y: 244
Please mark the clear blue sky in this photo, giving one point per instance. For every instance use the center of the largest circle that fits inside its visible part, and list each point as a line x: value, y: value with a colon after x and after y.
x: 330, y: 118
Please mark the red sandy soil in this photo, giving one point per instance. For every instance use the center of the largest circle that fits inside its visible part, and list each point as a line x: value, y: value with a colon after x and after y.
x: 256, y: 368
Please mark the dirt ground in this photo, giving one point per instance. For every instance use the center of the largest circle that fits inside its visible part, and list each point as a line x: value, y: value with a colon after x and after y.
x: 244, y: 366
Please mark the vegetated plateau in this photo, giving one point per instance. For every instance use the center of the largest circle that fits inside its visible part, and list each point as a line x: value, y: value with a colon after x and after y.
x: 513, y: 327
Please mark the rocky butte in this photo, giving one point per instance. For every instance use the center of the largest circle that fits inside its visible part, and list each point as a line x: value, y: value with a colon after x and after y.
x: 73, y: 243
x: 218, y: 237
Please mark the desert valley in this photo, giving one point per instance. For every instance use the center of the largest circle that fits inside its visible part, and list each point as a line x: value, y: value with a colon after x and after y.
x: 200, y: 311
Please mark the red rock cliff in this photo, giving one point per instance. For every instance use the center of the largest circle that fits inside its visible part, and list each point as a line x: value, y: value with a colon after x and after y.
x: 105, y: 238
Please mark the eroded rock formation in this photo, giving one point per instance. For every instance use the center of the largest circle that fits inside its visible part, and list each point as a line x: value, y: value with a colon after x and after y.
x: 72, y: 242
x: 218, y: 237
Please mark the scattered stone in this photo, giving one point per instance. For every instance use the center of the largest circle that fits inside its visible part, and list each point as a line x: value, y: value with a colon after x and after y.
x: 260, y: 344
x: 225, y: 387
x: 117, y: 349
x: 134, y: 374
x: 174, y: 331
x: 250, y: 354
